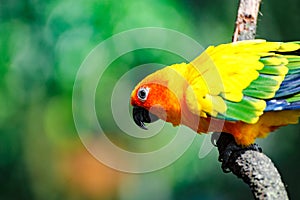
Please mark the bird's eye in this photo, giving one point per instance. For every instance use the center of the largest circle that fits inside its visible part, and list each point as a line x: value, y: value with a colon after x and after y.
x: 142, y: 93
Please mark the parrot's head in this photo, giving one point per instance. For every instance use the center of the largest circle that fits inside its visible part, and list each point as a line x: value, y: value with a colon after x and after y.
x: 154, y: 99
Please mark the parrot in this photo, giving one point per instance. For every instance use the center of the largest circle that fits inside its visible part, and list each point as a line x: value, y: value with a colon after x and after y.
x: 247, y: 89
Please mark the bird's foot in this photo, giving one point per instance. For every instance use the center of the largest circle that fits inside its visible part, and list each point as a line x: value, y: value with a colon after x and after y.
x: 229, y: 148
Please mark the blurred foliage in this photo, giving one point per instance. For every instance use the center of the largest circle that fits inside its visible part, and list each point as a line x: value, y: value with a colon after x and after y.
x: 42, y: 45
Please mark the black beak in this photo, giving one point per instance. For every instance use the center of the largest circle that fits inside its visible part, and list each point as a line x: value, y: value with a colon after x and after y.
x: 141, y: 116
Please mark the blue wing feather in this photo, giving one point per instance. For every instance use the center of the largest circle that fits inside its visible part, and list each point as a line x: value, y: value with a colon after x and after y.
x: 282, y: 104
x: 288, y: 90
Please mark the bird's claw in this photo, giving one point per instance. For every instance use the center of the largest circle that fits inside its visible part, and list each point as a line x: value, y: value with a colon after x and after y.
x: 234, y: 149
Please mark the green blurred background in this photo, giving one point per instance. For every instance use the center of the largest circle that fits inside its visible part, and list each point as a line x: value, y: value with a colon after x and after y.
x: 43, y: 43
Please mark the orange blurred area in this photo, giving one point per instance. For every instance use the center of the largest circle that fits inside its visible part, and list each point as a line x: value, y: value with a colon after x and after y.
x: 81, y: 173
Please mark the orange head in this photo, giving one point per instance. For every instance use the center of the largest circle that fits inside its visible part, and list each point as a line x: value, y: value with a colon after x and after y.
x: 152, y: 101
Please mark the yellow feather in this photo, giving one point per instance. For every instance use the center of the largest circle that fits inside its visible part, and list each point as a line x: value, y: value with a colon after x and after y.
x: 289, y: 46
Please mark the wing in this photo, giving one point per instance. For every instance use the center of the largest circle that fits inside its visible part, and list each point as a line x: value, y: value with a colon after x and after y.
x: 238, y: 81
x: 288, y: 95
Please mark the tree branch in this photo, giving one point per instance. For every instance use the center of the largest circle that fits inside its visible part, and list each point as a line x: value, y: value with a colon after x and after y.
x: 245, y: 25
x: 254, y: 167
